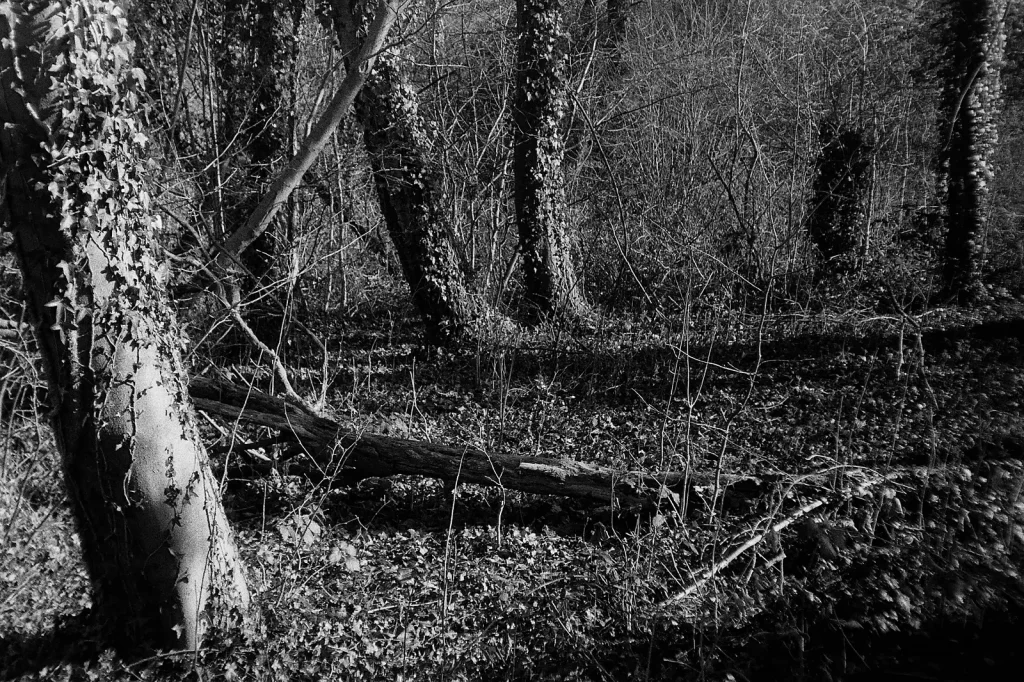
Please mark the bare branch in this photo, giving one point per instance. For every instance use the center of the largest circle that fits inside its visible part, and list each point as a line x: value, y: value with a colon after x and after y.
x: 291, y: 176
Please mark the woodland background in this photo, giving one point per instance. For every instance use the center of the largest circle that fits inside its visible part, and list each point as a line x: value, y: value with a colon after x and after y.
x: 754, y: 202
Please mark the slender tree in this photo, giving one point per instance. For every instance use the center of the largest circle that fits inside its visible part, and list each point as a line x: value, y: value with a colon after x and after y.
x: 407, y: 179
x: 973, y: 38
x: 221, y: 77
x: 153, y: 532
x: 539, y: 106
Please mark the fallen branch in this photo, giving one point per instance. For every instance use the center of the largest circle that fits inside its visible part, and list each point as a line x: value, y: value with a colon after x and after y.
x: 711, y: 571
x: 279, y: 368
x: 332, y: 450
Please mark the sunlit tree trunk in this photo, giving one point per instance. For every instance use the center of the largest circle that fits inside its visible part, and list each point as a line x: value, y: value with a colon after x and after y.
x: 153, y: 532
x: 974, y: 38
x: 408, y: 187
x: 551, y: 286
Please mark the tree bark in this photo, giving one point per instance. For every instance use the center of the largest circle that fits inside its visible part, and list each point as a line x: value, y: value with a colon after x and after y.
x: 551, y: 285
x: 332, y: 451
x: 290, y: 177
x: 256, y: 61
x: 153, y: 532
x: 974, y: 40
x: 408, y: 187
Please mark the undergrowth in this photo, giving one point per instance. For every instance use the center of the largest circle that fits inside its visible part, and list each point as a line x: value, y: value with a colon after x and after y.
x: 868, y: 467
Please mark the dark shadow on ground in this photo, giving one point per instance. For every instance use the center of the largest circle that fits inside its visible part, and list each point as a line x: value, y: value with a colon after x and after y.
x: 811, y: 647
x: 642, y: 366
x: 74, y: 639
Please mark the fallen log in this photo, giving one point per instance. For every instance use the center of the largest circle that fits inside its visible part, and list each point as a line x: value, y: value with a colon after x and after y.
x: 331, y: 450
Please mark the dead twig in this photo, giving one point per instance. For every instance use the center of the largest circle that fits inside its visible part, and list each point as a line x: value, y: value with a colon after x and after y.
x: 279, y: 368
x: 709, y: 573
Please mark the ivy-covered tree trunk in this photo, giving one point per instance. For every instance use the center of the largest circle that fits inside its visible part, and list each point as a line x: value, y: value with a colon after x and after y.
x: 974, y: 38
x: 153, y: 532
x: 838, y: 198
x: 221, y: 75
x: 408, y: 186
x: 551, y: 286
x: 256, y: 62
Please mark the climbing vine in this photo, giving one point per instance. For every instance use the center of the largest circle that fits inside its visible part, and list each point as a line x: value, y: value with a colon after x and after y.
x: 537, y: 120
x: 407, y: 176
x: 95, y: 175
x: 95, y: 147
x: 973, y: 37
x: 153, y: 531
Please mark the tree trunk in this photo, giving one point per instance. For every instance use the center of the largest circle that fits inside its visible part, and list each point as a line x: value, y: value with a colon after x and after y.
x: 408, y: 187
x: 975, y: 38
x: 837, y: 216
x: 330, y: 451
x: 289, y: 178
x: 153, y: 532
x: 551, y: 287
x: 256, y: 60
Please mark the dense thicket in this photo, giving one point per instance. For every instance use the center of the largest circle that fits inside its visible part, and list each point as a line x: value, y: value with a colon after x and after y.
x: 722, y: 148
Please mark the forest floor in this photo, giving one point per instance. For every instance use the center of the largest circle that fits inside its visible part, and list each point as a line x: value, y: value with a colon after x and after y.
x: 879, y: 460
